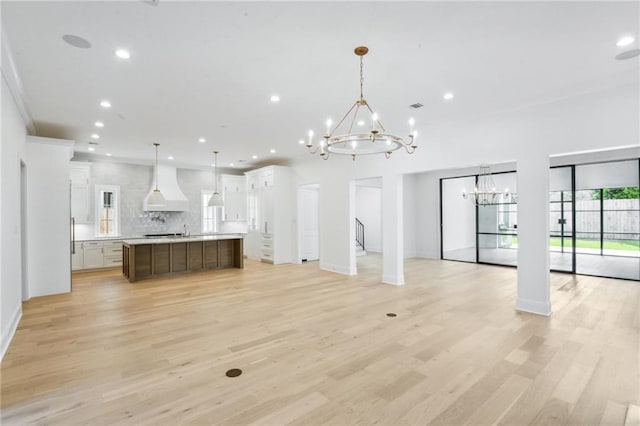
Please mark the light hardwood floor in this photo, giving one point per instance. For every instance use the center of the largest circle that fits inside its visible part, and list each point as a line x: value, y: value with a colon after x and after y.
x: 318, y: 348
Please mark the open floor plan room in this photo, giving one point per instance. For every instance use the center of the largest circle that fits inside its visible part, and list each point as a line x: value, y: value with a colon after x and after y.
x: 316, y: 347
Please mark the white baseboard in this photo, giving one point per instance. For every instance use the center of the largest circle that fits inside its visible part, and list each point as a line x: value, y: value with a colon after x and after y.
x: 338, y: 268
x: 393, y: 279
x: 10, y: 330
x: 533, y: 307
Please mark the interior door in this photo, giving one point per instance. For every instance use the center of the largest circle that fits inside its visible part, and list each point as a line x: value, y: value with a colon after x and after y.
x: 310, y: 238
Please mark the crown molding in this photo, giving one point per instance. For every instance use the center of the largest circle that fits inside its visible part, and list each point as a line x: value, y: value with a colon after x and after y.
x: 12, y: 78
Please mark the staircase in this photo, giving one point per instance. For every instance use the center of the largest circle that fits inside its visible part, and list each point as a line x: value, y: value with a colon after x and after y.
x: 360, y: 250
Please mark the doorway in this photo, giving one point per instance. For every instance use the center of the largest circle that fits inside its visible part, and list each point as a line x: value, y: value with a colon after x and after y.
x: 308, y: 223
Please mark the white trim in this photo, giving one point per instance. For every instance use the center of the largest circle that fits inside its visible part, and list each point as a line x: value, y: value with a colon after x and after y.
x: 7, y: 335
x: 10, y: 75
x: 533, y: 307
x: 338, y: 268
x: 393, y: 279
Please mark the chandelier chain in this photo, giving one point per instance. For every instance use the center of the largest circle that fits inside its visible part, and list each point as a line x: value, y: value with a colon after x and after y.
x: 361, y: 79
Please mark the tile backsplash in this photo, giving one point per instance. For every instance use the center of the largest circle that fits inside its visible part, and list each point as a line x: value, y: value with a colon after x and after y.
x: 135, y: 182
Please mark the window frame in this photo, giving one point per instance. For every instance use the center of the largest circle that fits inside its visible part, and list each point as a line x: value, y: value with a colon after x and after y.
x: 115, y: 189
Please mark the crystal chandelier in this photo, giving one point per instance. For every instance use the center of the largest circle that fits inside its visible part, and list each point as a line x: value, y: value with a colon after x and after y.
x: 341, y: 139
x: 485, y: 192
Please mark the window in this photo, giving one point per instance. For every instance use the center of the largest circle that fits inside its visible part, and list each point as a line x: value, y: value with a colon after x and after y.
x: 107, y: 211
x: 209, y: 214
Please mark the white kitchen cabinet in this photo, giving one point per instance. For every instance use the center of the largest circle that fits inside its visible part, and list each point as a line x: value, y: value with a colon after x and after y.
x: 269, y: 215
x: 80, y: 204
x: 235, y: 198
x: 93, y: 254
x: 97, y: 254
x: 77, y: 257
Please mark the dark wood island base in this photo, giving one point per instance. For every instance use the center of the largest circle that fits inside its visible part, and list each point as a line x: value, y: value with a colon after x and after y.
x: 169, y: 256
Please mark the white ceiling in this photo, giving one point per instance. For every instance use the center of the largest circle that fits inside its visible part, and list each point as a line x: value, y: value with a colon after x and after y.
x: 207, y: 69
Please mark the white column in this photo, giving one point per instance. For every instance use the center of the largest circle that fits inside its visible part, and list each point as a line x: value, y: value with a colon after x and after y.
x: 533, y: 235
x: 392, y: 230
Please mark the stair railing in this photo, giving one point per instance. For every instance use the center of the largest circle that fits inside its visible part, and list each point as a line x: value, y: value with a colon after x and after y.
x: 359, y: 233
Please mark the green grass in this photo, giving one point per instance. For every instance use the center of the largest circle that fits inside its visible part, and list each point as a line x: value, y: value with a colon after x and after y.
x: 631, y: 245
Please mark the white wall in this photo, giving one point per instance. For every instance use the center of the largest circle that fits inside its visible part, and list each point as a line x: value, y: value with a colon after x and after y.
x: 410, y: 211
x: 12, y: 147
x: 48, y: 216
x: 369, y: 212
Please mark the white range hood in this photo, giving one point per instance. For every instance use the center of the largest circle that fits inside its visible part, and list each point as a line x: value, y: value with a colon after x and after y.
x: 168, y: 186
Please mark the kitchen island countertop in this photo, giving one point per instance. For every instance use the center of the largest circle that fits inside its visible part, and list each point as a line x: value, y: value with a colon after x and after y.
x: 170, y: 240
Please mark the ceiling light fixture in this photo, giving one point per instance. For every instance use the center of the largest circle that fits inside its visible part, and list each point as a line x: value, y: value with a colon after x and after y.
x: 216, y: 199
x: 273, y: 151
x: 170, y: 157
x: 105, y: 104
x: 99, y: 124
x: 448, y: 96
x: 156, y: 199
x: 377, y: 141
x: 202, y: 140
x: 274, y: 98
x: 485, y: 192
x: 123, y: 54
x: 91, y: 149
x: 625, y: 41
x: 95, y: 136
x: 108, y: 154
x: 255, y: 157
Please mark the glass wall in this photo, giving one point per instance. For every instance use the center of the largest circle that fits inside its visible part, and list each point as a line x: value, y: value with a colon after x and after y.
x: 458, y: 219
x: 561, y: 219
x: 498, y: 224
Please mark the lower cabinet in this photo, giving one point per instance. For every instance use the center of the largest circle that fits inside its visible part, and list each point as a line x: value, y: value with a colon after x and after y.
x: 96, y: 255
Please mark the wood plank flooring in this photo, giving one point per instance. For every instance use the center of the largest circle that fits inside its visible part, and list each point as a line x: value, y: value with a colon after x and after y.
x: 318, y: 348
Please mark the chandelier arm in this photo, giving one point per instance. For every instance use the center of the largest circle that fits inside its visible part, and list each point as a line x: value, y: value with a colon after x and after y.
x: 314, y: 151
x: 377, y: 121
x: 343, y: 118
x: 355, y: 115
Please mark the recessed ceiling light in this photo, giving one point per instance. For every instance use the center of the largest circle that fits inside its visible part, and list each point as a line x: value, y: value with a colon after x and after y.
x: 95, y: 136
x: 301, y: 142
x: 99, y: 124
x: 447, y: 96
x: 361, y: 123
x: 231, y: 164
x: 625, y: 41
x: 170, y: 157
x: 76, y: 41
x: 108, y: 154
x: 105, y: 104
x: 274, y: 98
x: 91, y: 149
x: 273, y: 151
x: 202, y: 140
x: 213, y: 165
x: 254, y: 157
x: 123, y: 54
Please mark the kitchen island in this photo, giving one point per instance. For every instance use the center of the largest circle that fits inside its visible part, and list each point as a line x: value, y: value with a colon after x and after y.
x: 146, y: 258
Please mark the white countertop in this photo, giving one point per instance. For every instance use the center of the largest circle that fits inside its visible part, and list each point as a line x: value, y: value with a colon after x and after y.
x: 195, y: 238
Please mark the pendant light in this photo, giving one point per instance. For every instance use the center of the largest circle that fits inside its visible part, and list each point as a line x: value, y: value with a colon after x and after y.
x: 216, y: 199
x: 156, y: 199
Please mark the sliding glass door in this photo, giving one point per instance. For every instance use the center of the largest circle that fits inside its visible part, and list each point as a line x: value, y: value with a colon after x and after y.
x: 561, y: 219
x: 608, y: 219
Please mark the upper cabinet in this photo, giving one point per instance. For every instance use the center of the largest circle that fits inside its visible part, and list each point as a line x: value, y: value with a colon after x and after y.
x: 235, y: 198
x: 80, y: 205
